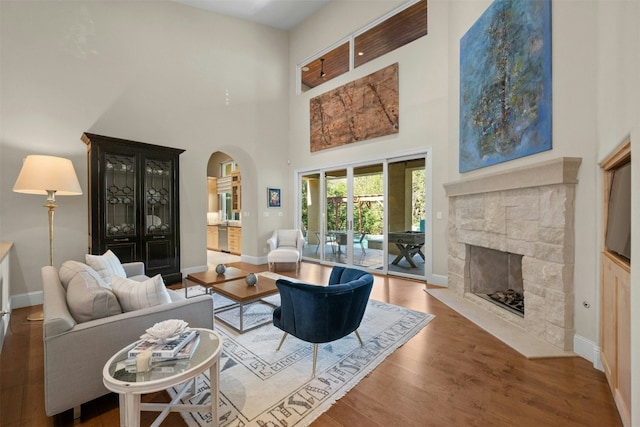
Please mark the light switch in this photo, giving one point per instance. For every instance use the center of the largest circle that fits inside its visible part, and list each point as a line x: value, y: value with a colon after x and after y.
x: 439, y: 215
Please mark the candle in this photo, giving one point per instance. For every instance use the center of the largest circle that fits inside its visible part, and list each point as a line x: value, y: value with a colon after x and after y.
x: 143, y: 361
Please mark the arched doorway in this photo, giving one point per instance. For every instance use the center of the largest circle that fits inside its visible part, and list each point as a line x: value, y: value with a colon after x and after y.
x: 224, y: 189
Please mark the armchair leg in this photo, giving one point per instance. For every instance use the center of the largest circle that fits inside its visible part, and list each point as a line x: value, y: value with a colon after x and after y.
x: 282, y: 341
x: 315, y: 357
x: 359, y: 339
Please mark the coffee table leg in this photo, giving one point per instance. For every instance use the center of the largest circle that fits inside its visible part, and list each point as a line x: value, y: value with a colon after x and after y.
x: 241, y: 324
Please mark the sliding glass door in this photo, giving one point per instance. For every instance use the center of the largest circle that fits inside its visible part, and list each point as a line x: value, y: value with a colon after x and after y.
x: 406, y: 224
x: 337, y: 218
x: 371, y: 216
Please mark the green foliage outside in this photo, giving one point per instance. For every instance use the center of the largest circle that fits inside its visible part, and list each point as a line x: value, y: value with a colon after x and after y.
x: 368, y: 213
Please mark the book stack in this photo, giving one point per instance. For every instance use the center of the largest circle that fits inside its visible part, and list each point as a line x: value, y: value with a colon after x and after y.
x: 181, y: 347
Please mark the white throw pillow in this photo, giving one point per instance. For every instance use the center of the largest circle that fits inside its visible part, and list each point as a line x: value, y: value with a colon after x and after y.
x: 134, y: 295
x: 107, y: 265
x: 69, y: 269
x: 88, y: 299
x: 288, y: 238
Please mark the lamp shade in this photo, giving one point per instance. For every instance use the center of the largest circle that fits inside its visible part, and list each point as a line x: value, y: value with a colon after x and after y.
x: 42, y: 173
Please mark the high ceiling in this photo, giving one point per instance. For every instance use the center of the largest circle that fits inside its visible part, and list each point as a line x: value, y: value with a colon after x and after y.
x: 282, y: 14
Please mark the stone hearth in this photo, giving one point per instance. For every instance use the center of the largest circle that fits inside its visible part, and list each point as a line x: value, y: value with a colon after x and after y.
x: 527, y: 211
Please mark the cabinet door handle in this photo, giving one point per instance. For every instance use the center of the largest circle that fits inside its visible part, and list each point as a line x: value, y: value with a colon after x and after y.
x: 126, y: 239
x: 159, y: 237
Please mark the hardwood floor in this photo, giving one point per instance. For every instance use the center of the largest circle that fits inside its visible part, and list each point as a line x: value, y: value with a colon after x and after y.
x: 452, y: 373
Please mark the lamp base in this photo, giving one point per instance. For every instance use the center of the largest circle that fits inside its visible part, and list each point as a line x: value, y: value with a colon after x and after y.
x: 36, y: 317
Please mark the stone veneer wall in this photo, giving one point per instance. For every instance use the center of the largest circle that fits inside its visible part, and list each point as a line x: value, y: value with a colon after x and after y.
x: 527, y: 211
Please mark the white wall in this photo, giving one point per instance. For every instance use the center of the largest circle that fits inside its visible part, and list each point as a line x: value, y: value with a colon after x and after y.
x: 154, y: 72
x: 423, y: 77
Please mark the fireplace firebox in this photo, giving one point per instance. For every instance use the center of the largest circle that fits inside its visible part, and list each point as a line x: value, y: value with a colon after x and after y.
x: 497, y: 277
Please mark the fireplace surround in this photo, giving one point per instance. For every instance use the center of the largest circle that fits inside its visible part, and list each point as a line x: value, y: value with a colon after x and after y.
x: 528, y: 211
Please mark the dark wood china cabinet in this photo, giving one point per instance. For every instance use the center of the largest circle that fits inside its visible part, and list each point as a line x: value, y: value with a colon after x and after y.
x: 134, y: 205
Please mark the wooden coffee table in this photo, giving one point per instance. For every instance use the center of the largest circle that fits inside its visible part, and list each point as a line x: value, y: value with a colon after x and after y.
x: 210, y: 277
x: 232, y: 285
x: 242, y: 294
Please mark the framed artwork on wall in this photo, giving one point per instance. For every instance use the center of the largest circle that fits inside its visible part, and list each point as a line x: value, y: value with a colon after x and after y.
x: 273, y: 197
x: 360, y: 110
x: 505, y: 84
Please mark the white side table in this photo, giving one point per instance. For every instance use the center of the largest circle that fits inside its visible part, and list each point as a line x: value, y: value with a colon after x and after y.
x: 131, y: 385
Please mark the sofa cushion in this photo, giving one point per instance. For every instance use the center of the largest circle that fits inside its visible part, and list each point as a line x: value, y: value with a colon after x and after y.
x: 107, y: 265
x: 88, y: 298
x: 134, y: 295
x: 69, y: 269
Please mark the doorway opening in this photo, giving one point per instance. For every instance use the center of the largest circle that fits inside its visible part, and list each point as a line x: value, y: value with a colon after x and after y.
x: 224, y: 225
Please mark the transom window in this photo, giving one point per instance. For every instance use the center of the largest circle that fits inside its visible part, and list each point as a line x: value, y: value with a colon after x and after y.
x: 396, y: 29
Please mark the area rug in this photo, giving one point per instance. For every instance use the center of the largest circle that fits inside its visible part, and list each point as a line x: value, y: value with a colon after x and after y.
x: 260, y: 386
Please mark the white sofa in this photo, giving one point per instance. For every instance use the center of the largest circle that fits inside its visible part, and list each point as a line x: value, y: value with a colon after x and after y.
x: 75, y: 353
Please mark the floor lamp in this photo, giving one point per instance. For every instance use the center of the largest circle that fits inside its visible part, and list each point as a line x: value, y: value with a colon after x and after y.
x: 50, y: 176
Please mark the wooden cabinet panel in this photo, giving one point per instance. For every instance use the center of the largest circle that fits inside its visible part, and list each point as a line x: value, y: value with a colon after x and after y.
x: 623, y: 360
x: 615, y: 331
x: 212, y: 194
x: 213, y: 242
x: 235, y: 240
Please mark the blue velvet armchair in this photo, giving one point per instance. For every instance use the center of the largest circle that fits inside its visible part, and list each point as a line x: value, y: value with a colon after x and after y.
x: 320, y: 314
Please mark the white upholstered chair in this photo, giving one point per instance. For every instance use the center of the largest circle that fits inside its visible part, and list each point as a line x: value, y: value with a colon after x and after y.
x: 285, y: 246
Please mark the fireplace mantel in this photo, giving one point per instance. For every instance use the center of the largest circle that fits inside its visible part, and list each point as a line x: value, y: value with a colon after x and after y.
x: 563, y: 170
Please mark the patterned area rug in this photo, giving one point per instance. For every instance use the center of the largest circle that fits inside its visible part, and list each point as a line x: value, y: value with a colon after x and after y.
x: 262, y: 387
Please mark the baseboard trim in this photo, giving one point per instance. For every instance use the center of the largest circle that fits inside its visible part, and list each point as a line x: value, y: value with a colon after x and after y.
x: 26, y: 300
x: 191, y: 270
x: 589, y: 350
x: 253, y: 259
x: 439, y: 279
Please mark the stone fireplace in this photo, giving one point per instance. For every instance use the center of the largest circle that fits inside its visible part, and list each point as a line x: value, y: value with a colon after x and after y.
x: 527, y: 213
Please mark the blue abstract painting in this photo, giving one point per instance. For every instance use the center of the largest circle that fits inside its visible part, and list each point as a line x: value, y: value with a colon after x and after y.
x: 505, y: 84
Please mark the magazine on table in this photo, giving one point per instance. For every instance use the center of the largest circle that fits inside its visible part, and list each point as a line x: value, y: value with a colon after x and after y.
x: 187, y: 351
x: 166, y: 350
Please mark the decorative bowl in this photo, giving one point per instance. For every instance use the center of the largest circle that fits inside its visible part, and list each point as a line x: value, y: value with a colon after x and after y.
x: 251, y: 279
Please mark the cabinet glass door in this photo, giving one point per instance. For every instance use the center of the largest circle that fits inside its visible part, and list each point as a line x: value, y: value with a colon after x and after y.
x: 120, y: 196
x: 158, y: 177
